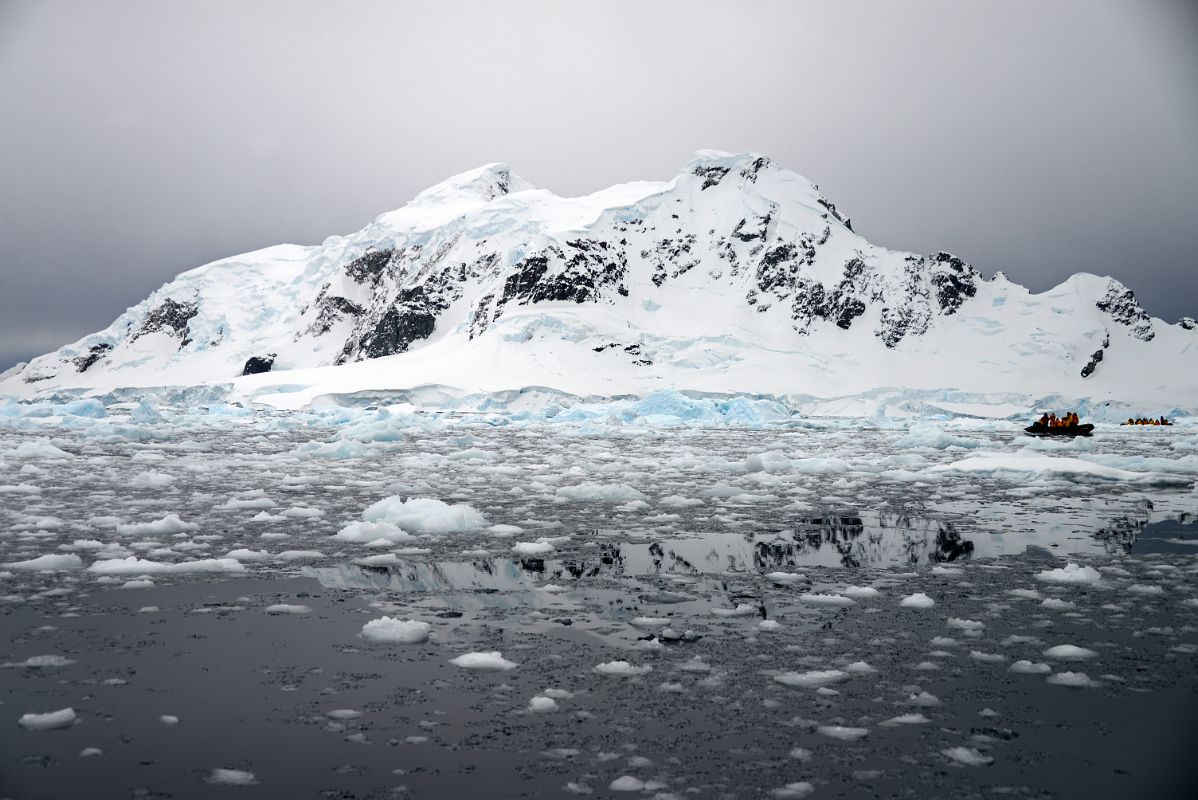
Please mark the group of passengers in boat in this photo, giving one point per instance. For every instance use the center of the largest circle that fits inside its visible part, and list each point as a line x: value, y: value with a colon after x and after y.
x: 1067, y: 420
x: 1147, y: 421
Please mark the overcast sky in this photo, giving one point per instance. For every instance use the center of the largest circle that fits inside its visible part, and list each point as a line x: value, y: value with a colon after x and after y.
x: 138, y: 140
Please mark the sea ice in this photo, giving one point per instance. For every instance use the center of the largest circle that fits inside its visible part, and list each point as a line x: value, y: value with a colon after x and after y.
x: 967, y: 756
x: 1069, y: 652
x: 1071, y: 574
x: 622, y: 669
x: 395, y: 631
x: 48, y: 563
x: 231, y: 777
x: 917, y: 600
x: 843, y: 733
x: 424, y: 515
x: 63, y: 718
x: 812, y: 679
x: 1078, y: 679
x: 288, y: 608
x: 487, y: 662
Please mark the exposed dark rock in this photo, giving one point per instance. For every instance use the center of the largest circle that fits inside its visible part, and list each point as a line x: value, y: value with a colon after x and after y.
x: 1120, y: 303
x: 954, y: 281
x: 369, y: 267
x: 170, y: 317
x: 331, y: 309
x: 94, y: 354
x: 710, y: 175
x: 831, y: 207
x: 1188, y: 323
x: 1092, y: 364
x: 258, y: 364
x: 395, y: 332
x: 751, y: 171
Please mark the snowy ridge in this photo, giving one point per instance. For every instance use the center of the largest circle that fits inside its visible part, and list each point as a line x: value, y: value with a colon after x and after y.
x: 736, y: 277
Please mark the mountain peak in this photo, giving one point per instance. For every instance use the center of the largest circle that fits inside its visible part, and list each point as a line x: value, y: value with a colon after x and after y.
x: 481, y: 183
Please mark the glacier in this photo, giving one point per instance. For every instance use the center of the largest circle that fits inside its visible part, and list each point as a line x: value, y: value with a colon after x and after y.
x: 734, y: 279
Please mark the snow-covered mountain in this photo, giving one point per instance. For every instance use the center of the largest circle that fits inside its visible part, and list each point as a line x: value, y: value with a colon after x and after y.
x: 736, y: 276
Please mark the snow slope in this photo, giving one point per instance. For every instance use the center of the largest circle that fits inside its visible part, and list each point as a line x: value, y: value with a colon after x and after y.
x: 734, y: 277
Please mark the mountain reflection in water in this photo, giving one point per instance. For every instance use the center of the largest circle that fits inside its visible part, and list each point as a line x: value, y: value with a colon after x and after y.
x: 872, y: 539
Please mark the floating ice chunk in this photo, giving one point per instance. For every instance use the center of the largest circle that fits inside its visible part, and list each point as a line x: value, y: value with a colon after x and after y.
x: 380, y: 560
x: 906, y: 719
x: 302, y: 512
x: 860, y: 592
x: 504, y: 530
x: 424, y: 515
x: 137, y: 566
x: 650, y: 622
x: 168, y: 719
x: 1027, y: 594
x: 1146, y: 589
x: 231, y: 777
x: 947, y: 572
x: 784, y: 578
x: 859, y: 668
x: 343, y: 714
x: 244, y: 554
x: 40, y: 662
x: 288, y: 608
x: 599, y: 493
x: 1071, y: 574
x: 1069, y: 652
x: 20, y: 488
x: 167, y: 525
x: 63, y: 718
x: 968, y: 756
x: 769, y: 625
x: 965, y: 624
x: 1057, y: 604
x: 917, y: 600
x: 48, y: 563
x: 487, y: 662
x: 627, y: 783
x: 800, y: 754
x: 138, y: 583
x: 826, y: 600
x: 251, y: 503
x: 677, y: 501
x: 1077, y: 679
x: 532, y: 548
x: 558, y: 694
x: 622, y: 669
x: 992, y: 658
x: 299, y: 555
x: 370, y: 532
x: 843, y: 733
x: 540, y: 704
x: 151, y: 479
x: 792, y: 791
x: 813, y: 678
x: 395, y: 631
x: 923, y: 700
x: 741, y: 610
x: 926, y: 435
x: 38, y: 448
x: 1025, y: 667
x: 88, y: 752
x: 1017, y: 639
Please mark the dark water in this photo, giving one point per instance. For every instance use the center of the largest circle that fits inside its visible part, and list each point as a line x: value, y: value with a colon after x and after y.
x: 680, y: 583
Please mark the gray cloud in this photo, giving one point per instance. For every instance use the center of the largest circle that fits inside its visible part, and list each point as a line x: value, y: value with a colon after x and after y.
x: 142, y: 139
